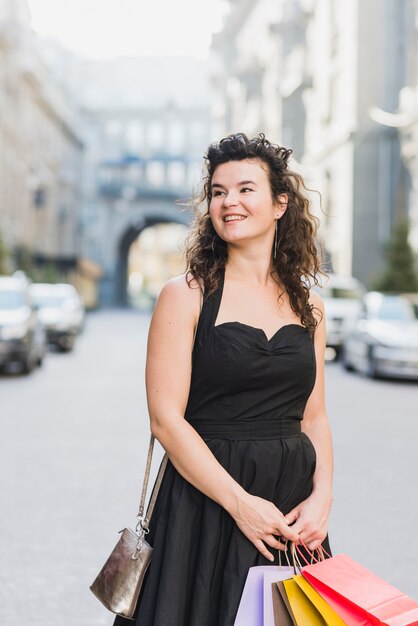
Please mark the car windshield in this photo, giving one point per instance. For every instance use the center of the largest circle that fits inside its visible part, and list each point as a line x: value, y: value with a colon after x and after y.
x: 10, y: 299
x: 394, y: 309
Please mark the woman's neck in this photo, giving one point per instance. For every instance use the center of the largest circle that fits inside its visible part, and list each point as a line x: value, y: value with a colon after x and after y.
x: 251, y: 269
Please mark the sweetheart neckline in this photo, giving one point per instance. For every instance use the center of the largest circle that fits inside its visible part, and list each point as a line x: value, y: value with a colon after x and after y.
x: 260, y: 329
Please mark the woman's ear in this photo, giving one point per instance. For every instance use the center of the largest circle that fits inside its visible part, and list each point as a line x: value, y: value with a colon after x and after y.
x: 282, y: 202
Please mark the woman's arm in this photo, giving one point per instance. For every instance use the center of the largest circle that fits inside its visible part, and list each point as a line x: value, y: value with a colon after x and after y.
x: 168, y: 374
x: 310, y: 517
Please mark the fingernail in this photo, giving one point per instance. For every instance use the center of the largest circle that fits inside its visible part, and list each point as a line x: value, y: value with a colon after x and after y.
x: 271, y: 558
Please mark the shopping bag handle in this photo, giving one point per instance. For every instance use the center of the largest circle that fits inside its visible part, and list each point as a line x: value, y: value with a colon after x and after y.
x: 321, y: 551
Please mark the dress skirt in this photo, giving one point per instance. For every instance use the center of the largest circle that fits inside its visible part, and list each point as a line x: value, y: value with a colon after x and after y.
x: 200, y: 557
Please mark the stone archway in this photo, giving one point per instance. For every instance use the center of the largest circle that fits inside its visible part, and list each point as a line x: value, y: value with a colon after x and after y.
x: 128, y: 237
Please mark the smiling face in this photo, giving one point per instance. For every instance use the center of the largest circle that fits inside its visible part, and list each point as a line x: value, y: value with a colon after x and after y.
x: 242, y: 206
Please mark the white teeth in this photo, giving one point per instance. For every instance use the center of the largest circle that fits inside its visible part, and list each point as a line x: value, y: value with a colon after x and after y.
x: 230, y: 218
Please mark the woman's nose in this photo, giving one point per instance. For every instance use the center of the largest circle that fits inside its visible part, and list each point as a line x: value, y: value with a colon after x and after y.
x: 231, y: 199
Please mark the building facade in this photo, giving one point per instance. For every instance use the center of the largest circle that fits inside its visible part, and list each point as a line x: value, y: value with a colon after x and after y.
x: 260, y: 70
x: 320, y: 68
x: 355, y: 162
x: 147, y: 123
x: 41, y: 152
x: 405, y: 118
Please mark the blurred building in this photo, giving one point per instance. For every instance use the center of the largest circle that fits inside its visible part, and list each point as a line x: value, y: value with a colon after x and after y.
x: 357, y: 60
x: 147, y: 123
x: 40, y: 152
x: 260, y: 70
x: 405, y: 119
x: 307, y: 73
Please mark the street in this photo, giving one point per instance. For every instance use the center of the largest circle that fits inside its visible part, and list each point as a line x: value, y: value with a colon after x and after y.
x: 73, y: 441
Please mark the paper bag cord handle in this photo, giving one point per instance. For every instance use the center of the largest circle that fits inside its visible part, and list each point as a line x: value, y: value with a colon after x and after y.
x: 321, y: 551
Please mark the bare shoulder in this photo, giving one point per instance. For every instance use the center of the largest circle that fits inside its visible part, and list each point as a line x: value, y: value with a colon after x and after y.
x: 180, y: 293
x: 170, y: 347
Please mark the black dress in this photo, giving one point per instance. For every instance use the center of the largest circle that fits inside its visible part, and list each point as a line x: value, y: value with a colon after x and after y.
x: 246, y: 400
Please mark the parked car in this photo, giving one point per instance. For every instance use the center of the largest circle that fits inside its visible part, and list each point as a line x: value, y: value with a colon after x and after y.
x: 61, y: 310
x: 384, y: 340
x: 413, y: 299
x: 22, y: 334
x: 342, y: 297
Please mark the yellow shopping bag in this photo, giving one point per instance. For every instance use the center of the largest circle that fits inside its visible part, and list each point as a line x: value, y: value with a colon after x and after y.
x: 308, y: 606
x: 282, y: 591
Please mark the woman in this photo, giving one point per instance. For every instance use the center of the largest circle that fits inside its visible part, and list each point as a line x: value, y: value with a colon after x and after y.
x: 245, y: 473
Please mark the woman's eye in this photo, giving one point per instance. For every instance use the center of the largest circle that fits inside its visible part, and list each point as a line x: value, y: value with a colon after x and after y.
x: 219, y: 192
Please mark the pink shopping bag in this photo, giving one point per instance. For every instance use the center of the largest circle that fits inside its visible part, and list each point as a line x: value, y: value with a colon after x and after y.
x: 359, y: 596
x: 256, y: 605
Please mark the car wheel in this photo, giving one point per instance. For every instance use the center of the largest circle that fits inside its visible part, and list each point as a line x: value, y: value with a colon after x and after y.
x: 28, y: 365
x: 346, y: 363
x: 372, y: 371
x: 67, y: 346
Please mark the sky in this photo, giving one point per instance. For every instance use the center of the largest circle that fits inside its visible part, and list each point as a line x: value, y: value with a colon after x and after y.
x: 107, y: 28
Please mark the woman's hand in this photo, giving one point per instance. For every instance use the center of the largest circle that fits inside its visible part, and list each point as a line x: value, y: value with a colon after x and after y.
x: 309, y: 520
x: 262, y: 522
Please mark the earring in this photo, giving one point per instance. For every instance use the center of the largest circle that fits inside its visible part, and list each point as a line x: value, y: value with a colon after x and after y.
x: 275, y: 241
x: 213, y: 241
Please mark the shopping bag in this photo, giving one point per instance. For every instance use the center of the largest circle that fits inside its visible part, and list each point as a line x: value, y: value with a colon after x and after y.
x: 282, y: 616
x: 351, y: 615
x: 303, y: 610
x: 270, y: 579
x: 283, y: 594
x: 308, y: 606
x: 253, y: 600
x: 358, y: 595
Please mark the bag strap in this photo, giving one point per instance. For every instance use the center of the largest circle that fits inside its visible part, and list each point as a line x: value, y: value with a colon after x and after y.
x: 146, y: 478
x: 144, y: 524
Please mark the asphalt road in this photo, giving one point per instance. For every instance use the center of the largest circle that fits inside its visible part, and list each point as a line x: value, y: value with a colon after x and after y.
x: 73, y: 438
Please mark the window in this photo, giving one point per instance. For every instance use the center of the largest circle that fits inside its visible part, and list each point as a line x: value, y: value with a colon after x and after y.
x: 176, y: 138
x: 176, y: 173
x: 155, y: 173
x: 134, y: 136
x: 155, y: 135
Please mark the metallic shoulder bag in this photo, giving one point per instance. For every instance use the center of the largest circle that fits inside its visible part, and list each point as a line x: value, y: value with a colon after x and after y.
x: 119, y: 582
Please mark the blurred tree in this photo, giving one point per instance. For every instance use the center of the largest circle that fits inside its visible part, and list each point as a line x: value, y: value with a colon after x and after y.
x: 24, y: 261
x: 48, y: 274
x: 39, y: 274
x: 400, y: 274
x: 4, y: 256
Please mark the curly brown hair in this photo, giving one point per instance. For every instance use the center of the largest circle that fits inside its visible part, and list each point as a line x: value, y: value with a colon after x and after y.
x: 297, y: 259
